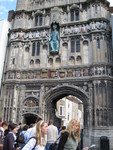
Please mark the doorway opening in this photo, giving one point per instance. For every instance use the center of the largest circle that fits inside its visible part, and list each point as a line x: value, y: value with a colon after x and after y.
x: 30, y: 119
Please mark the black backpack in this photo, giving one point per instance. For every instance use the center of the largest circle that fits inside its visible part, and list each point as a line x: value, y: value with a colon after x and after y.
x: 54, y: 145
x: 21, y: 138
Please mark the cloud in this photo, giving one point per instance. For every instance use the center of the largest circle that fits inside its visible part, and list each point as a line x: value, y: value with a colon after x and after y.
x: 3, y: 10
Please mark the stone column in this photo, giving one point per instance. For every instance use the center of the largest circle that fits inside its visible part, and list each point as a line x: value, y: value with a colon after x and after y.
x: 94, y: 49
x: 21, y: 100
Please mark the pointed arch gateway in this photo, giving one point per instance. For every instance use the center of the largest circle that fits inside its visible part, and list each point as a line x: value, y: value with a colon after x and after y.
x: 55, y: 94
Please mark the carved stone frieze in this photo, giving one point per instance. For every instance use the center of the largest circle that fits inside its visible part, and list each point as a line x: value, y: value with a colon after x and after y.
x: 85, y: 28
x: 29, y: 35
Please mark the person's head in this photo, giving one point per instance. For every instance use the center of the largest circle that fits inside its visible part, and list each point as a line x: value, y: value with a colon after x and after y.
x: 21, y: 126
x: 13, y: 128
x: 25, y: 127
x: 41, y: 131
x: 74, y: 128
x: 5, y: 125
x: 38, y: 119
x: 63, y: 127
x: 51, y: 121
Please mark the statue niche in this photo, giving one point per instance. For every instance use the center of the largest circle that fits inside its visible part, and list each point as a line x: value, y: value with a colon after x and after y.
x: 54, y: 39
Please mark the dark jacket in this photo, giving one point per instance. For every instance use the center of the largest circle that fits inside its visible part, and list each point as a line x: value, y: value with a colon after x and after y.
x: 63, y: 139
x: 9, y: 143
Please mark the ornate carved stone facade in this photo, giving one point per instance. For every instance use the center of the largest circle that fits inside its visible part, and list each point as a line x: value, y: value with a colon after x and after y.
x: 34, y: 79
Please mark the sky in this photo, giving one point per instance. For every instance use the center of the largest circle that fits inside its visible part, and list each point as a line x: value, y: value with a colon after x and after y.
x: 6, y: 5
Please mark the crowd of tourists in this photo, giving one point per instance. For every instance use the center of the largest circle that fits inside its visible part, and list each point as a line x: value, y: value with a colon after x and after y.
x: 40, y: 136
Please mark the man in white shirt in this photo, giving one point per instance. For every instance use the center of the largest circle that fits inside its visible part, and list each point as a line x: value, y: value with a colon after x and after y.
x: 32, y: 130
x: 52, y: 134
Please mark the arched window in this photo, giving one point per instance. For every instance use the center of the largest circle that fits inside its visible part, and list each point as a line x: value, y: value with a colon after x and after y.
x: 40, y: 20
x: 78, y: 45
x: 13, y: 61
x: 96, y: 10
x: 72, y: 15
x: 33, y: 49
x: 98, y: 43
x: 72, y: 45
x: 77, y: 15
x: 38, y: 49
x: 36, y: 20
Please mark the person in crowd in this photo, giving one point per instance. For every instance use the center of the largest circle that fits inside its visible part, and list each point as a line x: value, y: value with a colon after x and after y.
x: 52, y: 134
x: 20, y: 128
x: 9, y: 140
x: 31, y: 125
x: 25, y: 134
x: 70, y: 137
x: 2, y: 130
x: 32, y: 130
x: 39, y: 141
x: 0, y: 122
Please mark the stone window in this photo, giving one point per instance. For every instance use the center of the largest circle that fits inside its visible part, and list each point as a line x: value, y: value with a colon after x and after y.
x: 36, y: 49
x: 78, y: 45
x: 50, y: 61
x: 13, y: 61
x: 98, y: 43
x: 72, y: 45
x: 96, y: 10
x: 38, y: 20
x: 77, y: 15
x: 37, y: 61
x: 74, y: 15
x: 33, y: 49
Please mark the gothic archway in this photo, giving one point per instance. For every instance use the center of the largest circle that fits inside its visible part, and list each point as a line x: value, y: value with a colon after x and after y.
x: 52, y: 96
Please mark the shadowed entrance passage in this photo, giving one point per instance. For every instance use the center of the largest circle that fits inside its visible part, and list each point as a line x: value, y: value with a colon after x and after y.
x: 30, y: 119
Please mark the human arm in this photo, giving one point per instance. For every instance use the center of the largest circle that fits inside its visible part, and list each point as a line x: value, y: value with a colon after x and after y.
x: 1, y: 145
x: 30, y: 144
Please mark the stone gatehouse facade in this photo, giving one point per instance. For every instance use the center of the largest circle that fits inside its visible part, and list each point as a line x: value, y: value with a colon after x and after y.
x: 35, y: 78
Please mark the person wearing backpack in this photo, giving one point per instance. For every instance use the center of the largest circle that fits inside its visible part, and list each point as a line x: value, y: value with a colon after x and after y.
x: 2, y: 130
x: 70, y: 137
x: 39, y: 141
x: 23, y: 137
x: 10, y: 139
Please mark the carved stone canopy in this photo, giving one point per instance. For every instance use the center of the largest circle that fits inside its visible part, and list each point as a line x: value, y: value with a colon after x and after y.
x: 56, y: 15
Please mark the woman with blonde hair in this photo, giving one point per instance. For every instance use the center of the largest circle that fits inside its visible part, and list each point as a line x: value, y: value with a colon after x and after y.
x: 39, y: 141
x: 70, y: 137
